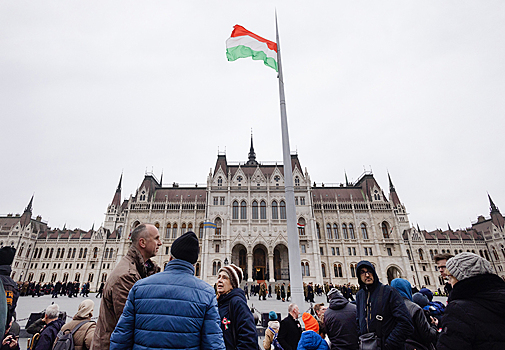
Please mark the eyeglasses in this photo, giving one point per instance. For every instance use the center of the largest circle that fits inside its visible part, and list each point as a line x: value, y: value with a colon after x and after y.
x: 362, y: 273
x: 441, y: 267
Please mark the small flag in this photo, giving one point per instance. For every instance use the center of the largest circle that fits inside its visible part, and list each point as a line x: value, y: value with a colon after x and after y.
x: 300, y: 225
x: 209, y: 224
x: 244, y: 43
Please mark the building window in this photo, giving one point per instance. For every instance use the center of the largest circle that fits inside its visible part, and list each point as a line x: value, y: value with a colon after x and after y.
x: 235, y: 210
x: 174, y: 231
x: 263, y: 210
x: 305, y: 269
x: 301, y: 226
x: 427, y: 280
x: 329, y: 234
x: 216, y: 266
x: 370, y: 252
x: 353, y: 250
x: 167, y: 232
x: 218, y: 223
x: 431, y: 254
x: 296, y: 200
x: 349, y: 250
x: 215, y: 200
x: 318, y: 230
x: 85, y: 253
x: 337, y: 270
x: 321, y: 250
x: 353, y: 270
x: 304, y: 250
x: 283, y: 210
x: 351, y: 231
x: 200, y: 230
x: 390, y: 253
x: 323, y: 270
x: 385, y: 230
x: 197, y: 269
x: 243, y: 210
x: 424, y: 268
x: 219, y: 181
x: 255, y: 210
x: 408, y: 254
x: 297, y: 181
x: 167, y: 250
x: 366, y: 251
x: 335, y: 231
x: 421, y: 255
x: 332, y: 250
x: 217, y: 248
x: 344, y: 231
x: 302, y: 200
x: 364, y: 232
x: 183, y: 228
x: 221, y: 202
x: 275, y: 212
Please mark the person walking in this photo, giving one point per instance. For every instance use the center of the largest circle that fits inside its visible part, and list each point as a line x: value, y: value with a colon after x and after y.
x: 84, y: 335
x: 237, y: 321
x: 340, y: 322
x: 475, y: 315
x: 272, y: 331
x: 172, y: 309
x: 100, y: 290
x: 135, y: 265
x: 290, y: 329
x: 380, y: 309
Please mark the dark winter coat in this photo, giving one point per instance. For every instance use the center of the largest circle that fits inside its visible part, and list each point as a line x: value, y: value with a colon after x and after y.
x: 310, y: 340
x: 424, y: 333
x: 237, y: 321
x: 396, y: 324
x: 169, y: 310
x: 290, y: 332
x: 475, y: 316
x: 340, y: 323
x: 11, y: 290
x: 48, y: 335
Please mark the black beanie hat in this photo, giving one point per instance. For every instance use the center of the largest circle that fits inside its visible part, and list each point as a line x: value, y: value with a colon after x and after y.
x: 7, y: 255
x: 186, y: 247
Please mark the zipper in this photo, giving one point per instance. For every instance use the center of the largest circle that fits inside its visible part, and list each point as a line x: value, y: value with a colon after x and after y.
x: 367, y: 310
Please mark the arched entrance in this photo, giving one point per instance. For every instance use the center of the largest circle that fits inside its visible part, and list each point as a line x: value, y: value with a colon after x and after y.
x: 259, y: 263
x: 281, y: 263
x: 239, y: 257
x: 393, y: 272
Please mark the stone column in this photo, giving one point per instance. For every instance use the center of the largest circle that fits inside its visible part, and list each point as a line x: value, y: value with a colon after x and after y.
x: 271, y: 268
x: 249, y: 267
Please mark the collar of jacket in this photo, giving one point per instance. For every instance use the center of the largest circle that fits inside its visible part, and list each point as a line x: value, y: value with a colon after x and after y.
x: 180, y: 265
x: 138, y: 259
x: 235, y: 292
x: 5, y: 270
x: 471, y: 287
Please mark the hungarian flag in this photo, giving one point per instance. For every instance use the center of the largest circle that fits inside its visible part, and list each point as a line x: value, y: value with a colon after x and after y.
x: 244, y: 43
x: 300, y: 225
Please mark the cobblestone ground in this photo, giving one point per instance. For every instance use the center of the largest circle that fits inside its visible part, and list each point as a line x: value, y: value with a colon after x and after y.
x: 27, y: 305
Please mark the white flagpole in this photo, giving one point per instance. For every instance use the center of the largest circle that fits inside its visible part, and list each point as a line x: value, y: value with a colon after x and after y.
x: 295, y: 270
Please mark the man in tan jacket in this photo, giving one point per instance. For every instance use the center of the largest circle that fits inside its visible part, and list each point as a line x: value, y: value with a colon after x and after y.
x: 134, y: 266
x: 84, y: 335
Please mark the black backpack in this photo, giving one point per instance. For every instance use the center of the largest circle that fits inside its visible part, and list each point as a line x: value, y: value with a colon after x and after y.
x: 66, y: 340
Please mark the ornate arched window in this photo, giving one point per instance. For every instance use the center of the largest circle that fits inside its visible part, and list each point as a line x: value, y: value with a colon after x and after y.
x: 263, y: 210
x: 85, y: 253
x: 275, y: 212
x: 197, y: 269
x: 353, y: 270
x: 168, y: 229
x: 255, y: 210
x: 297, y: 181
x: 344, y: 231
x: 364, y: 232
x: 218, y: 223
x: 220, y: 181
x: 337, y: 270
x: 174, y: 230
x: 183, y: 228
x: 385, y: 229
x: 283, y: 210
x: 335, y: 231
x: 318, y: 230
x: 301, y: 226
x: 235, y: 210
x: 421, y: 254
x: 58, y: 253
x: 329, y: 234
x: 351, y: 231
x: 408, y: 255
x: 243, y: 210
x: 200, y: 232
x: 323, y: 269
x: 80, y: 253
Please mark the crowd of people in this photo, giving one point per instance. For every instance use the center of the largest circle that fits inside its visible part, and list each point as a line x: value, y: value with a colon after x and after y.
x: 144, y: 308
x: 70, y: 289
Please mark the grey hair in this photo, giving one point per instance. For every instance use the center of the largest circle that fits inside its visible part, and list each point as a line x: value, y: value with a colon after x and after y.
x: 291, y: 307
x: 138, y: 233
x: 52, y: 311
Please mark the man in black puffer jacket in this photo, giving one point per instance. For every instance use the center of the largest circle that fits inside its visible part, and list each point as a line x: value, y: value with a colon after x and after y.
x: 396, y: 321
x: 340, y: 322
x: 475, y: 316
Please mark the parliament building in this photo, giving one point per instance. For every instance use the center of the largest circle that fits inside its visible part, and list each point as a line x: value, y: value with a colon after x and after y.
x: 338, y: 225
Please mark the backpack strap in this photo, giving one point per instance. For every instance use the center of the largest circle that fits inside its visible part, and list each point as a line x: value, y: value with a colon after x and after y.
x: 79, y: 326
x: 380, y: 312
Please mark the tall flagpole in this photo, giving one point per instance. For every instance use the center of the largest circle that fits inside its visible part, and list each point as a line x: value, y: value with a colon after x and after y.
x: 295, y: 270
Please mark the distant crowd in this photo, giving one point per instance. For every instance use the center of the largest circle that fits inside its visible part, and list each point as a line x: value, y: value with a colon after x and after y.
x: 144, y: 308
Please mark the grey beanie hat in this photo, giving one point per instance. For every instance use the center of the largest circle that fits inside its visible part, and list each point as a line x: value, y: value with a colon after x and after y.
x: 466, y: 265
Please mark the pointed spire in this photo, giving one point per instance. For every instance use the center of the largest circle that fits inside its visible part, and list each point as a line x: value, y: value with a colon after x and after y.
x: 116, y: 201
x: 252, y: 154
x: 449, y: 227
x: 496, y: 216
x: 491, y: 203
x: 161, y: 178
x: 29, y: 206
x: 93, y: 227
x: 418, y: 229
x: 393, y: 196
x: 346, y: 181
x: 119, y: 184
x: 391, y: 186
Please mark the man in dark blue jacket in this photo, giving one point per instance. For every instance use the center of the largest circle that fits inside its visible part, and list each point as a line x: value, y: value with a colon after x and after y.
x: 172, y: 309
x: 396, y: 324
x: 340, y: 322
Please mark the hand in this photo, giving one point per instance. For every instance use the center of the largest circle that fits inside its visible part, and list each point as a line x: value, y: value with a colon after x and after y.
x: 7, y: 340
x: 434, y: 321
x: 13, y: 343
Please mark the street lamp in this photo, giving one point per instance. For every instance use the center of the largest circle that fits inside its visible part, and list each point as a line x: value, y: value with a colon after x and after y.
x: 225, y: 261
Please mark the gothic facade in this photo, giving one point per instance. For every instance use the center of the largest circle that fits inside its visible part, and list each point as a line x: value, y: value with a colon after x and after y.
x: 240, y: 217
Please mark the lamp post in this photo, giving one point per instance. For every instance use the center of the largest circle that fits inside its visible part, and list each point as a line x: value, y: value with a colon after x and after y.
x: 225, y: 261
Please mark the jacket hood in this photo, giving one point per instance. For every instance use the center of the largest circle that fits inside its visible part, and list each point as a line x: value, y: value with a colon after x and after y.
x: 403, y: 286
x: 310, y: 340
x: 488, y: 290
x: 5, y: 270
x: 85, y: 310
x: 427, y: 293
x: 367, y: 264
x: 338, y: 301
x: 235, y: 292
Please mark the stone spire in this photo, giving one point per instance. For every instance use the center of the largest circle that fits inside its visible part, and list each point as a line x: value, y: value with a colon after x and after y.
x: 252, y: 155
x: 27, y: 215
x: 116, y: 201
x: 496, y: 216
x: 393, y: 196
x: 346, y: 181
x: 29, y: 206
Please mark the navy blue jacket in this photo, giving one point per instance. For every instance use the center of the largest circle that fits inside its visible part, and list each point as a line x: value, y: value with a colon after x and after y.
x: 396, y: 324
x: 340, y: 323
x: 48, y: 335
x: 237, y: 321
x: 169, y: 310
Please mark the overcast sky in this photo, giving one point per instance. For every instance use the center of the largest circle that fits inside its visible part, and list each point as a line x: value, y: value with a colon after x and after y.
x: 89, y: 89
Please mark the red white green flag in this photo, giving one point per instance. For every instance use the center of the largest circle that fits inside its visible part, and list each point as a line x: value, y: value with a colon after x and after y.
x: 244, y: 43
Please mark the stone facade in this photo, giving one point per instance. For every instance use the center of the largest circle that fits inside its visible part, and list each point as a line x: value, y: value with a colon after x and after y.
x: 338, y: 225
